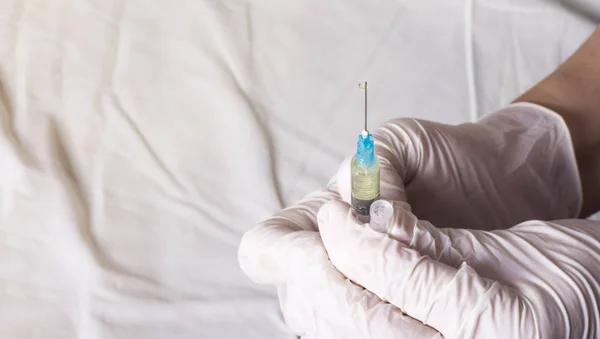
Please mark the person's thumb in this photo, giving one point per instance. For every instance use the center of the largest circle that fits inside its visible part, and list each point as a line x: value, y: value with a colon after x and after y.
x: 403, y: 227
x: 438, y: 244
x: 444, y: 297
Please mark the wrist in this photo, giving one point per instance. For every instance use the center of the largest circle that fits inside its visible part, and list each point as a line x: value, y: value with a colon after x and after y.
x: 573, y: 92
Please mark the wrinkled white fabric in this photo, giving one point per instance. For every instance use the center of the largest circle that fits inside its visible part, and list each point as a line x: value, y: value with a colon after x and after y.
x: 514, y: 165
x: 140, y: 139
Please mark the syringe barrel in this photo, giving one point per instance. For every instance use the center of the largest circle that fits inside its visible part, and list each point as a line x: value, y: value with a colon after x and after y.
x: 365, y: 188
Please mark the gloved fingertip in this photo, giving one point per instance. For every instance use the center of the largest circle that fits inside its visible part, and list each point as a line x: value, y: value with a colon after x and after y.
x: 251, y: 252
x: 344, y: 180
x: 402, y: 224
x: 332, y: 214
x: 246, y: 248
x: 401, y: 206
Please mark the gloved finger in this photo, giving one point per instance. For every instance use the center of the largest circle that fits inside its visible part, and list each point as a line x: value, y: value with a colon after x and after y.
x: 319, y: 302
x: 399, y: 152
x: 444, y: 297
x: 263, y: 250
x: 446, y: 245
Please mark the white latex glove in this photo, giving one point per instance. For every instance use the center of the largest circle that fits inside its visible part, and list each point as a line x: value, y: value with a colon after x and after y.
x: 512, y: 166
x: 317, y: 301
x: 535, y: 280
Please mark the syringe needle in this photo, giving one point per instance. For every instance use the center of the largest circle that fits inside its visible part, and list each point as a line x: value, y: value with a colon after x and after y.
x: 365, y: 172
x: 363, y: 87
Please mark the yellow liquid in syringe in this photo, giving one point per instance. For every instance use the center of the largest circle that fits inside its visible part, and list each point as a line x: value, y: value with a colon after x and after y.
x: 365, y: 187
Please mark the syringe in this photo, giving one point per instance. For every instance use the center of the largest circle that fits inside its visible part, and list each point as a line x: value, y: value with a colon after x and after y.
x: 365, y: 171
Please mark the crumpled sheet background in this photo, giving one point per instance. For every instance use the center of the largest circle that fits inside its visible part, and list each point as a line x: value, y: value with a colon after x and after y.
x: 139, y: 139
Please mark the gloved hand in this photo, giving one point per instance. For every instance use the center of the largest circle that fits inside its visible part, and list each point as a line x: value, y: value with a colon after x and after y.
x: 512, y: 166
x: 317, y: 301
x: 535, y: 280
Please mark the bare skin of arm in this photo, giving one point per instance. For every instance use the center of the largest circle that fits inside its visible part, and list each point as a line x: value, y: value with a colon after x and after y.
x: 573, y: 91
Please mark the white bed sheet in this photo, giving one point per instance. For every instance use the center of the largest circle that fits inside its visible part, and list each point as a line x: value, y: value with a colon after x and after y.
x: 140, y: 139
